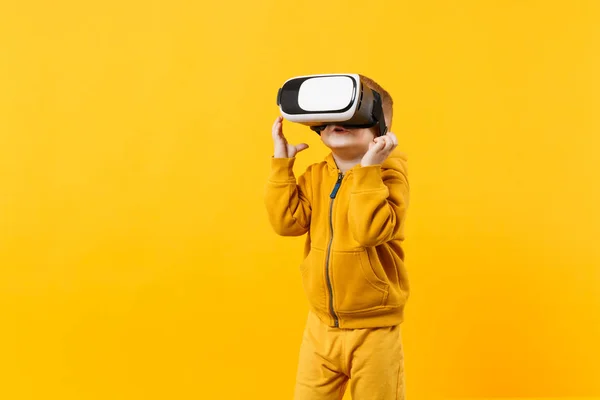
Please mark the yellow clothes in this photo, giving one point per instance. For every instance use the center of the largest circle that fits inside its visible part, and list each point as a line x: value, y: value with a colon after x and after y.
x: 353, y: 271
x: 373, y: 359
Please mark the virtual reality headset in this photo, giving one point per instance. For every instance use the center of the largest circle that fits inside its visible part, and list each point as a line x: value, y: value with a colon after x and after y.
x: 331, y: 99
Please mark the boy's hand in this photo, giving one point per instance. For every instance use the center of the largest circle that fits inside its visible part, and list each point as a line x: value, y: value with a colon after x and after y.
x: 379, y: 149
x: 282, y: 148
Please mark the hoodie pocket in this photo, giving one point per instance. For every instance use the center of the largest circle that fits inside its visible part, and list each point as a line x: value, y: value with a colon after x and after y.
x: 356, y: 287
x: 312, y: 270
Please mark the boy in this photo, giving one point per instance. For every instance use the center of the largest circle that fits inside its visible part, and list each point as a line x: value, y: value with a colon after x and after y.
x: 352, y: 206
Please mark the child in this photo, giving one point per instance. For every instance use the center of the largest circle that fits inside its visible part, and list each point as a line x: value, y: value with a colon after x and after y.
x: 352, y: 206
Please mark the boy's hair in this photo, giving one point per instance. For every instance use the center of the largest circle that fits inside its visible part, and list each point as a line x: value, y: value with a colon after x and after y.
x: 386, y: 99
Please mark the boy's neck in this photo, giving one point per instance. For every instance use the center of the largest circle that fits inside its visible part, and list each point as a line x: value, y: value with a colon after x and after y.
x: 345, y: 162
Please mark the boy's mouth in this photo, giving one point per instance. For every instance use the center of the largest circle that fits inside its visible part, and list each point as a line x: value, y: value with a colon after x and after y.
x: 339, y: 129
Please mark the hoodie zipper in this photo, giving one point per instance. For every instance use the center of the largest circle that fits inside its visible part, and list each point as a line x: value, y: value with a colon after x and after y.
x: 332, y: 196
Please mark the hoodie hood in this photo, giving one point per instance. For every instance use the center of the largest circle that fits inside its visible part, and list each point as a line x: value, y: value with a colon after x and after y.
x: 397, y: 161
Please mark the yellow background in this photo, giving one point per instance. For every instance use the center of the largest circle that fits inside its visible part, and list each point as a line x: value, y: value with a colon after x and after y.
x: 136, y: 260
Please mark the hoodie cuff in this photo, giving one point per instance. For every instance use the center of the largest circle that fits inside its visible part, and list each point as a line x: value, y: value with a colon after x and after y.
x: 282, y: 169
x: 368, y: 178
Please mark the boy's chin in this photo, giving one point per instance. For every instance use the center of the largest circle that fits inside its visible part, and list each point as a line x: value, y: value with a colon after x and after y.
x: 346, y: 148
x: 345, y: 142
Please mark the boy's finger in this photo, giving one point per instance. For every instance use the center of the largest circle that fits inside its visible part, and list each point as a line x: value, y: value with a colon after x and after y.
x: 374, y: 147
x: 277, y: 125
x: 393, y: 137
x: 300, y: 147
x: 389, y: 144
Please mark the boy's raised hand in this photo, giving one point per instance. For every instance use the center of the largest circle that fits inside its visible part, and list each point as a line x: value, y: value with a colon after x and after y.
x: 379, y: 149
x: 282, y: 148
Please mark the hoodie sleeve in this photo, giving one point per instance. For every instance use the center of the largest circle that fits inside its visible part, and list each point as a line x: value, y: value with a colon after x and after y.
x: 378, y: 203
x: 287, y: 201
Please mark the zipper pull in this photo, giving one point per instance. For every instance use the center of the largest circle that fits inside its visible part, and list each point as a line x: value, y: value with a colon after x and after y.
x: 337, y: 185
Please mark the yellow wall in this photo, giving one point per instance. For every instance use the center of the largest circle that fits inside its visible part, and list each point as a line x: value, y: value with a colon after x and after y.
x: 136, y: 260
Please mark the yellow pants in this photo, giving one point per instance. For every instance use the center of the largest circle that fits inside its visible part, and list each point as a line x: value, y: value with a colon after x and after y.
x: 372, y: 360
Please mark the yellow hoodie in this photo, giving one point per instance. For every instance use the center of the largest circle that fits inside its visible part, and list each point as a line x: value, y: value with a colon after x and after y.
x: 353, y: 269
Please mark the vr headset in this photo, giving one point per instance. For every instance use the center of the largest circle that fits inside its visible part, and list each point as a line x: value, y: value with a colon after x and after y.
x: 331, y: 99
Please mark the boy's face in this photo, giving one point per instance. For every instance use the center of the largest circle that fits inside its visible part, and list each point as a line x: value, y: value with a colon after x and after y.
x: 353, y: 142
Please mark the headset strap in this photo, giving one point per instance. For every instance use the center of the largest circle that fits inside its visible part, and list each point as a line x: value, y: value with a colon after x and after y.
x: 378, y: 114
